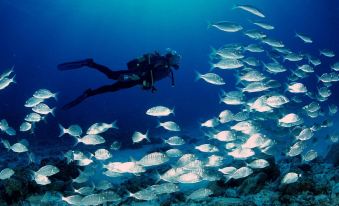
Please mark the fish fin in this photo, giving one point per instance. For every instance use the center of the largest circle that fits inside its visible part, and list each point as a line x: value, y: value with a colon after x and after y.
x: 74, y: 64
x: 132, y: 159
x: 238, y: 80
x: 13, y: 79
x: 197, y: 75
x: 53, y: 111
x: 76, y: 141
x: 209, y: 135
x: 164, y: 140
x: 32, y: 128
x: 209, y: 25
x: 129, y: 193
x: 62, y: 130
x: 235, y: 6
x: 286, y: 88
x: 158, y: 177
x: 114, y: 124
x: 220, y: 98
x: 31, y: 157
x: 55, y: 96
x: 146, y: 136
x: 318, y: 78
x: 31, y: 174
x: 159, y: 124
x: 6, y: 144
x: 227, y: 178
x: 172, y: 111
x: 212, y: 66
x: 213, y: 53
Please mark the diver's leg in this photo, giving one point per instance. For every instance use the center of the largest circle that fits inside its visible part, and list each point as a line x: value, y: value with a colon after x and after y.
x: 77, y: 101
x: 105, y: 70
x: 91, y: 64
x: 113, y: 87
x: 107, y: 88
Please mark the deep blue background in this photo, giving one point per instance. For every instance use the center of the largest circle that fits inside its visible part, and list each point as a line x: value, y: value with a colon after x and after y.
x: 37, y: 35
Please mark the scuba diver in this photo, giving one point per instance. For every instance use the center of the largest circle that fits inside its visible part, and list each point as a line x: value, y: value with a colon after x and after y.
x: 145, y: 71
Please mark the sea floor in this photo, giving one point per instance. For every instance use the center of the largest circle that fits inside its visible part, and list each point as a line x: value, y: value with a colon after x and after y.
x: 318, y: 185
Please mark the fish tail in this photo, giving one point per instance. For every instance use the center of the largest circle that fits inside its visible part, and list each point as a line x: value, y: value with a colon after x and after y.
x: 212, y: 66
x: 31, y: 174
x: 209, y: 135
x: 76, y: 141
x: 32, y: 128
x: 238, y: 80
x: 220, y: 98
x: 172, y: 111
x: 213, y: 53
x: 62, y: 130
x: 31, y: 158
x: 157, y: 177
x: 6, y: 144
x: 209, y: 25
x: 286, y: 88
x: 296, y: 34
x: 318, y: 78
x: 129, y: 193
x: 55, y: 96
x: 53, y: 111
x: 197, y: 75
x: 159, y: 124
x: 114, y: 125
x: 235, y: 6
x: 13, y: 79
x: 146, y: 136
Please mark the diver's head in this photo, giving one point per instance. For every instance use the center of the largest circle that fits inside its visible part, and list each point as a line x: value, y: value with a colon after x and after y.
x: 173, y: 58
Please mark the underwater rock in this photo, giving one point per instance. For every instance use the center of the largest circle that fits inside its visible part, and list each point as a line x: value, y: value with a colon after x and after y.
x: 20, y: 186
x: 224, y: 201
x: 264, y: 197
x: 253, y: 184
x: 231, y: 192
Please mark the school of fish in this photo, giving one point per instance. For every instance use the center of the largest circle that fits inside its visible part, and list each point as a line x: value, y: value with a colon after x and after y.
x: 262, y: 112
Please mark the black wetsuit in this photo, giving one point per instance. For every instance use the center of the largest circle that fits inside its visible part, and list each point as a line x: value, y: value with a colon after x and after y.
x: 146, y: 71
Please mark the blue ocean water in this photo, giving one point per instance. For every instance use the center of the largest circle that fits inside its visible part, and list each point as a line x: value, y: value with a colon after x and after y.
x: 36, y: 36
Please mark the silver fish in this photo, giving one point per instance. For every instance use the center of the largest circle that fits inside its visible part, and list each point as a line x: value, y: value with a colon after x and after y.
x: 6, y: 173
x: 226, y: 26
x: 250, y: 9
x: 92, y: 139
x: 138, y: 137
x: 159, y: 111
x: 264, y: 25
x: 33, y: 101
x: 98, y: 128
x: 5, y: 82
x: 152, y: 159
x: 45, y: 94
x: 74, y: 130
x: 304, y: 38
x: 290, y: 178
x: 170, y: 125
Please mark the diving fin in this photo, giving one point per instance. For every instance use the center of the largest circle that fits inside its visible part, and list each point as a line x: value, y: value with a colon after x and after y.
x: 75, y: 64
